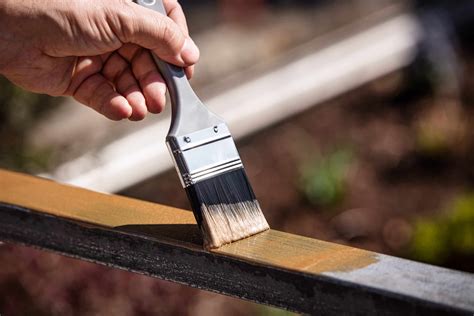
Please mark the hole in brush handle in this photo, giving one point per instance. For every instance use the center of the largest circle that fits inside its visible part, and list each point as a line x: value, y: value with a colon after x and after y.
x: 156, y: 5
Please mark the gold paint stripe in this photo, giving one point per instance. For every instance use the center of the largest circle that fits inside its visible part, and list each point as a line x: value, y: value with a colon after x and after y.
x: 84, y: 205
x: 271, y: 247
x: 298, y: 253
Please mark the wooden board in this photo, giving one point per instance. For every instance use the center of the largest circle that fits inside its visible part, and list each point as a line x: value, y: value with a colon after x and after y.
x: 277, y: 268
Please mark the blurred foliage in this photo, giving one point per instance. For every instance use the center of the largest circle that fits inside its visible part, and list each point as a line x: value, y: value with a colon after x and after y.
x: 451, y: 233
x: 323, y: 179
x: 18, y: 110
x: 431, y: 141
x: 441, y: 128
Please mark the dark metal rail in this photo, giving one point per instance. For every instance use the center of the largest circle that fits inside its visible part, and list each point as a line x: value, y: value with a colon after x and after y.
x: 276, y: 268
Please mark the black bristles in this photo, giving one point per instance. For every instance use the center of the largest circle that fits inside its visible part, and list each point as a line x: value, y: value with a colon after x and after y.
x: 226, y: 208
x: 227, y: 188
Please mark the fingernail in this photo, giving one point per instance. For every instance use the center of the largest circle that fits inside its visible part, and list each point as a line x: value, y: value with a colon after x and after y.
x: 190, y: 52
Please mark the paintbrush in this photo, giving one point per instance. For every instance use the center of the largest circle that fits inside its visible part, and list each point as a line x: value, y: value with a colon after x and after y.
x: 207, y: 162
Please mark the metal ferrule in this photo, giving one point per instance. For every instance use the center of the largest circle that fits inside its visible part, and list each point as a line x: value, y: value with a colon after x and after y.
x: 203, y: 154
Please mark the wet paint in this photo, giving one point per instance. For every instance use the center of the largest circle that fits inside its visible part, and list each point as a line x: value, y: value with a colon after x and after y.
x: 299, y: 253
x: 84, y: 205
x: 271, y: 247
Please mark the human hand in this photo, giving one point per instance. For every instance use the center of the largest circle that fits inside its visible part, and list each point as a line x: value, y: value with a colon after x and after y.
x: 96, y: 51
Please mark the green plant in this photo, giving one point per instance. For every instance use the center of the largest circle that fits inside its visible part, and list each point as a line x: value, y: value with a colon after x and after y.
x: 18, y: 111
x: 452, y: 232
x: 440, y: 129
x: 323, y: 178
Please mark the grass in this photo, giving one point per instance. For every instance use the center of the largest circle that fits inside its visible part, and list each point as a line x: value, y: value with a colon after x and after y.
x: 450, y: 234
x: 323, y: 178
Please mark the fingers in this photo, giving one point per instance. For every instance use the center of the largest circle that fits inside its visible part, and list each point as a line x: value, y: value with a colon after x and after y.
x: 150, y: 29
x: 118, y: 72
x: 89, y: 87
x: 189, y: 71
x: 130, y: 83
x: 127, y: 83
x: 148, y: 76
x: 97, y: 93
x: 175, y: 12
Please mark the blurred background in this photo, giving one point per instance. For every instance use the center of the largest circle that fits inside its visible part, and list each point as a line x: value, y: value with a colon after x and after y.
x: 353, y: 120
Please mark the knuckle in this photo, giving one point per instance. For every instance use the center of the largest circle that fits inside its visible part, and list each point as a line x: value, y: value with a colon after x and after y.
x: 178, y: 6
x: 114, y: 67
x: 126, y: 23
x: 170, y: 35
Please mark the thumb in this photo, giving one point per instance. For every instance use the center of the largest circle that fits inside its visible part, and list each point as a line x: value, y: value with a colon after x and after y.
x: 156, y: 32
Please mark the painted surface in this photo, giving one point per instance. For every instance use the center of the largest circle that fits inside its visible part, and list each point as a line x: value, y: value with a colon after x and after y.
x: 84, y: 205
x: 298, y: 253
x: 271, y: 247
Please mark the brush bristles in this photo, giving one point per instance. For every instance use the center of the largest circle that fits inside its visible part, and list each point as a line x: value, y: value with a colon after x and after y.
x: 225, y: 223
x: 226, y: 208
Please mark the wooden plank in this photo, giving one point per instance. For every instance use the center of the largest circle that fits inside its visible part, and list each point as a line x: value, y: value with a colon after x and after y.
x: 276, y: 268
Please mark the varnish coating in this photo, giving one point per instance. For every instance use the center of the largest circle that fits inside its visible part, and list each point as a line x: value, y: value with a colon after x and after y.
x: 271, y: 247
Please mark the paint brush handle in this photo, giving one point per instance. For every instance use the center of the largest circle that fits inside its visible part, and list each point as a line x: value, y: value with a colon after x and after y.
x: 188, y: 112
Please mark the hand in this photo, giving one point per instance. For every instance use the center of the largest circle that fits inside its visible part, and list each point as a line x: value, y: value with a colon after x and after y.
x: 96, y: 51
